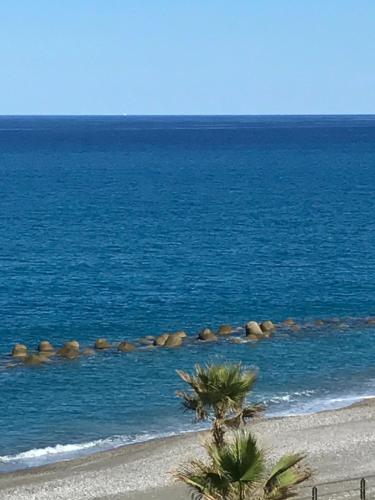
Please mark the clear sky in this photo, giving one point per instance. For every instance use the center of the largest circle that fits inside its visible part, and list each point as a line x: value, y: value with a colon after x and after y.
x: 187, y: 56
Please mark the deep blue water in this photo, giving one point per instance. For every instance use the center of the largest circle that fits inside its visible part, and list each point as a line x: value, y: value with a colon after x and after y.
x: 121, y: 227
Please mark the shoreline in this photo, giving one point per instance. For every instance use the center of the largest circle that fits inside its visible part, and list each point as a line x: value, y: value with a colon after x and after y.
x: 59, y: 446
x: 83, y: 453
x: 142, y: 470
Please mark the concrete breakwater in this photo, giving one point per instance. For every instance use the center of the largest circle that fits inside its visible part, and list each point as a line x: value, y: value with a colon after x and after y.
x: 251, y: 332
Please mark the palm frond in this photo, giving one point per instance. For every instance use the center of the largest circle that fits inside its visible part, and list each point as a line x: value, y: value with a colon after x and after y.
x: 237, y: 469
x: 286, y: 474
x: 253, y: 411
x: 204, y: 481
x: 239, y: 418
x: 240, y: 460
x: 193, y: 403
x: 284, y: 463
x: 234, y: 422
x: 220, y: 387
x: 185, y: 376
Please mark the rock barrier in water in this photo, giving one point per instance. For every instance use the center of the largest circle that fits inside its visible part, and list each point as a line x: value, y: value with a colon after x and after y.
x: 173, y: 340
x: 19, y: 351
x: 35, y: 359
x: 267, y: 326
x: 46, y: 347
x: 102, y: 344
x: 161, y: 340
x: 88, y: 351
x: 126, y: 346
x: 225, y: 330
x: 70, y: 350
x: 250, y: 334
x: 253, y: 330
x: 207, y: 335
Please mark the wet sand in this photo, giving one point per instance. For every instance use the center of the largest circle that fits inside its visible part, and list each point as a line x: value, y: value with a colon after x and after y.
x: 340, y: 448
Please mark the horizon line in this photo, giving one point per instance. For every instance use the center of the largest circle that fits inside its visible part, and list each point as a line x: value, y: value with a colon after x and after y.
x: 131, y: 115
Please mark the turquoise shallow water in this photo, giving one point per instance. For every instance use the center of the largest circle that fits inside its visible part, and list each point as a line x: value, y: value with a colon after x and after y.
x: 123, y: 227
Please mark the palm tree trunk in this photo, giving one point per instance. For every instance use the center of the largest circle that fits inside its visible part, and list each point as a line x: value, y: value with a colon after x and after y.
x: 218, y: 432
x: 240, y: 491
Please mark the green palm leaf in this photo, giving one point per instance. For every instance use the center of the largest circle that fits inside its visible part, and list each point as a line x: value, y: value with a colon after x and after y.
x: 241, y: 459
x: 204, y: 481
x: 238, y: 465
x: 219, y: 391
x: 285, y: 474
x: 237, y: 470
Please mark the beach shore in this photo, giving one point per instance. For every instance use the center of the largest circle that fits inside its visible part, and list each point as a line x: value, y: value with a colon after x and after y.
x: 340, y: 448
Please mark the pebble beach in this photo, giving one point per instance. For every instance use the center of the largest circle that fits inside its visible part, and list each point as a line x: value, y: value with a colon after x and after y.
x: 339, y: 447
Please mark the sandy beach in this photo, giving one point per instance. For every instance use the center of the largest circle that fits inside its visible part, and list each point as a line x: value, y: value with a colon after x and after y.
x: 340, y: 448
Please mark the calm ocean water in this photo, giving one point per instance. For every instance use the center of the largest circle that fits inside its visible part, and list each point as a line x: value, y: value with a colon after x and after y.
x: 121, y: 227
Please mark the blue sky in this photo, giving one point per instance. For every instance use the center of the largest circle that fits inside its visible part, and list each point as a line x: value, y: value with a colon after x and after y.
x: 187, y: 56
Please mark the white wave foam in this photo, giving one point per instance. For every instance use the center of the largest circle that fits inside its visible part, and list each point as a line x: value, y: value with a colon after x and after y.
x: 295, y: 403
x: 62, y: 452
x: 288, y: 397
x: 317, y: 405
x: 49, y: 450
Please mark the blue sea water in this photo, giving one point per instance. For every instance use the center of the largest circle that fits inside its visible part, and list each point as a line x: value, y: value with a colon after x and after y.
x: 121, y: 227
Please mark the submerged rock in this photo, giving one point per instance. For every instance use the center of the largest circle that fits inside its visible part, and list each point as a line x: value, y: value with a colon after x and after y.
x: 295, y: 327
x: 73, y: 344
x: 236, y: 340
x: 146, y: 340
x: 88, y: 351
x: 70, y: 350
x: 225, y: 330
x: 149, y: 347
x: 45, y: 356
x: 161, y: 340
x: 181, y: 334
x: 68, y: 353
x: 173, y: 340
x: 46, y: 347
x: 102, y: 344
x: 267, y: 326
x: 35, y: 359
x: 126, y: 346
x: 252, y: 328
x: 288, y: 322
x: 319, y: 322
x: 254, y: 337
x: 19, y: 351
x: 207, y: 334
x: 170, y: 339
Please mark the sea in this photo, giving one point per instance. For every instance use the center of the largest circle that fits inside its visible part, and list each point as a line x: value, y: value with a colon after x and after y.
x: 127, y: 226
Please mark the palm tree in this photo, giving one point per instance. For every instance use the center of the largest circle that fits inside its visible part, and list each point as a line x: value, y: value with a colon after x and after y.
x: 237, y: 470
x: 218, y: 393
